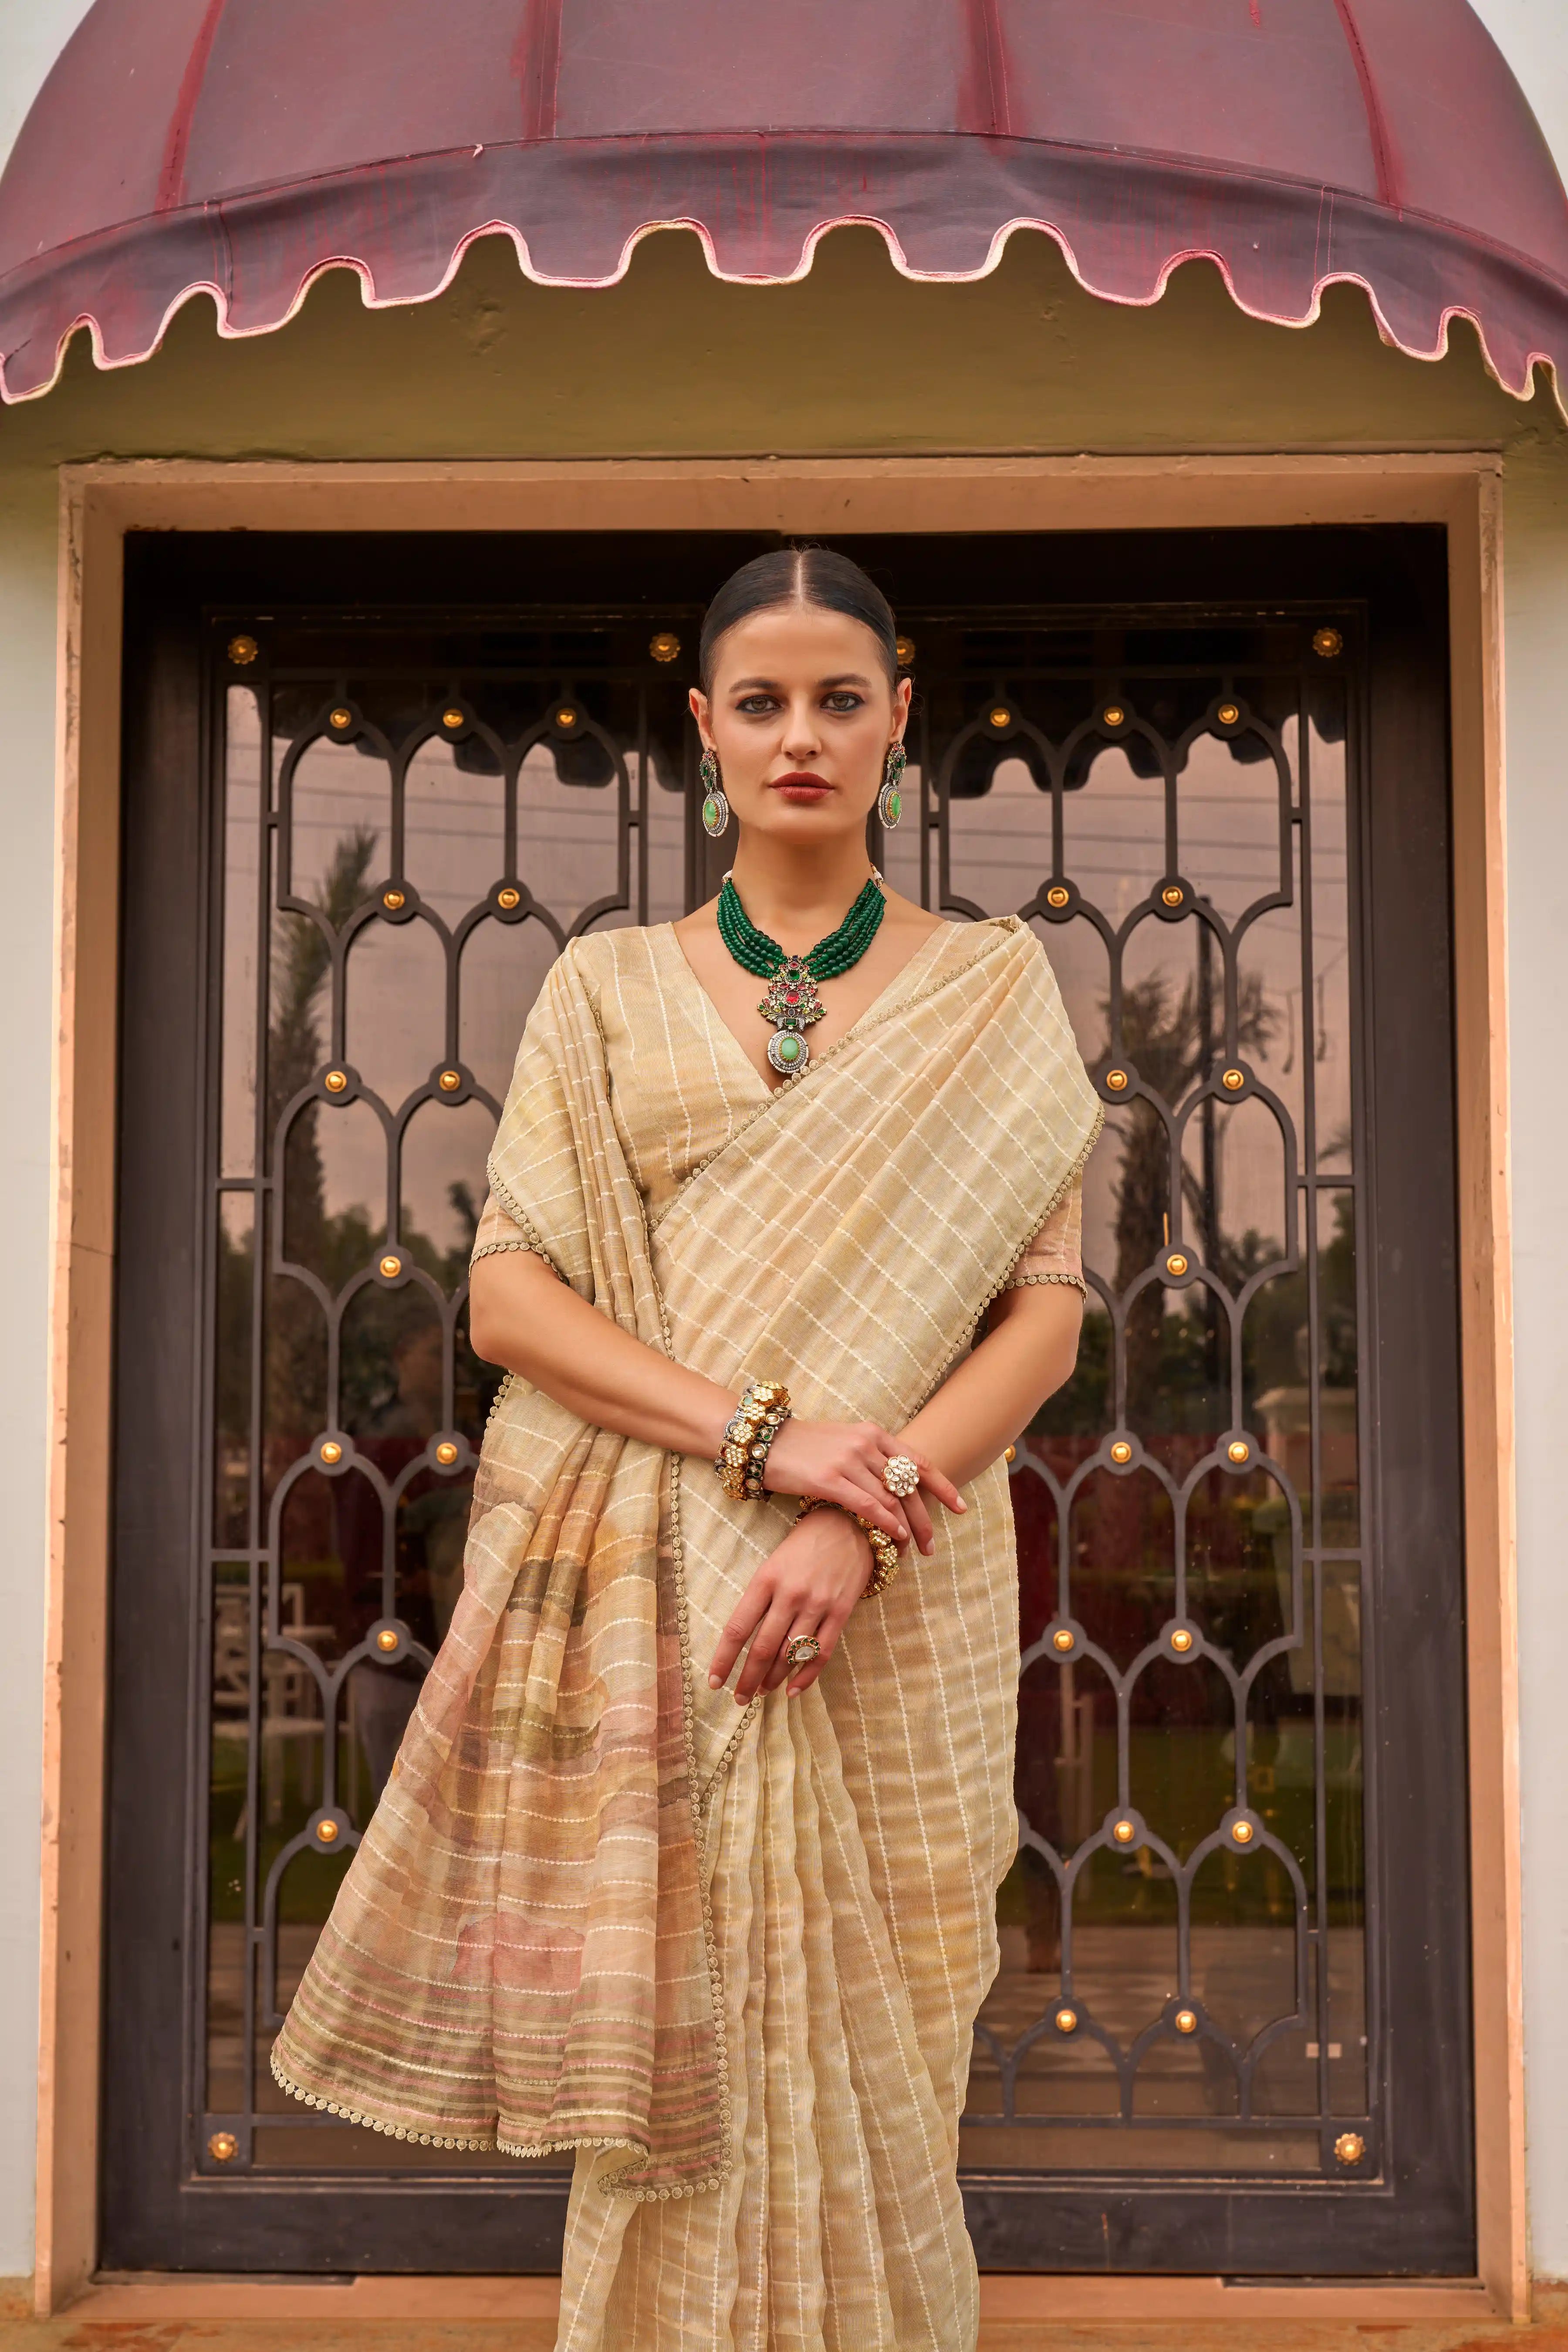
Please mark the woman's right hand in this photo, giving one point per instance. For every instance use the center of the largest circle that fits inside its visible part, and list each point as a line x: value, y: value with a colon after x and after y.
x: 842, y: 1462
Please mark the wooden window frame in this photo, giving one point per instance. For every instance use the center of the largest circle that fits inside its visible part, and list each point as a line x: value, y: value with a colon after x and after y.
x: 98, y: 503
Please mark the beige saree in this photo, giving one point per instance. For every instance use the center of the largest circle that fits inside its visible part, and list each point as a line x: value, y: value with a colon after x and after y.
x: 731, y: 1957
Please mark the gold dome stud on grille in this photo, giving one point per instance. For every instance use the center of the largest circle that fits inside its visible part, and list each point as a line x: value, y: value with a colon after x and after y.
x: 1181, y: 1640
x: 329, y: 1451
x: 1176, y: 1263
x: 450, y: 1081
x: 1122, y: 1450
x: 1064, y: 1639
x: 327, y: 1833
x: 391, y: 1266
x: 1227, y: 714
x: 1350, y: 2147
x: 509, y: 897
x: 1000, y: 716
x: 1011, y: 1455
x: 341, y: 718
x: 1123, y: 1833
x: 1327, y: 643
x: 1242, y: 1831
x: 1117, y: 1081
x: 445, y: 1453
x: 452, y: 719
x: 393, y: 901
x: 387, y: 1639
x: 1238, y: 1450
x: 335, y: 1081
x: 903, y: 651
x: 1185, y: 2021
x: 566, y: 716
x: 1112, y: 714
x: 242, y: 651
x: 1233, y: 1081
x: 1172, y: 894
x: 664, y: 645
x: 223, y: 2148
x: 1066, y: 2021
x: 1058, y: 894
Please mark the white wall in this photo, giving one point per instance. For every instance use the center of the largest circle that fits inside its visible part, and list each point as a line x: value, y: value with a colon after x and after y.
x: 27, y: 959
x: 32, y: 34
x: 1536, y: 622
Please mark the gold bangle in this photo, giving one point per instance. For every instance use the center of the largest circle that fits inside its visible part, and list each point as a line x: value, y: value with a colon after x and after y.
x: 885, y: 1560
x: 743, y: 1459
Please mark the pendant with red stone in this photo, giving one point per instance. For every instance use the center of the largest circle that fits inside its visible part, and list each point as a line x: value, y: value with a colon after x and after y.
x: 792, y: 1004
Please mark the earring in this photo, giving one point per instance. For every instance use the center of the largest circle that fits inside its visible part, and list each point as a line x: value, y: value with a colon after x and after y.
x: 715, y: 807
x: 890, y: 799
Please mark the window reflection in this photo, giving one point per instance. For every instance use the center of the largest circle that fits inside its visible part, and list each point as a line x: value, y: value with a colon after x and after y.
x: 1208, y: 1990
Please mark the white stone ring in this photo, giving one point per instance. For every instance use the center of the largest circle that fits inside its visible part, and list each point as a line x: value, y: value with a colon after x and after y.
x: 901, y: 1476
x: 802, y: 1649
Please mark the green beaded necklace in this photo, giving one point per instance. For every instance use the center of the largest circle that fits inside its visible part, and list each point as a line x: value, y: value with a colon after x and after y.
x: 791, y: 1003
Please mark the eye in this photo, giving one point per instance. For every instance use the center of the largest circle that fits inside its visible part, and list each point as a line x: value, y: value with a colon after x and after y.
x: 754, y: 706
x: 843, y: 699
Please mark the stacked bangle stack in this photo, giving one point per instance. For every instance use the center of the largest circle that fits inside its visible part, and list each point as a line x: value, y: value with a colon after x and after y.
x: 744, y: 1457
x: 884, y: 1550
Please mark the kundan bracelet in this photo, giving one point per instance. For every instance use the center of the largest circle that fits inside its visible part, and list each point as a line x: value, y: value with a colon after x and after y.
x: 885, y: 1562
x: 755, y: 1423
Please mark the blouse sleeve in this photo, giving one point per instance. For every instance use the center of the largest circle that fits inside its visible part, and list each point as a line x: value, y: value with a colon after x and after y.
x: 1056, y: 1254
x: 496, y: 1232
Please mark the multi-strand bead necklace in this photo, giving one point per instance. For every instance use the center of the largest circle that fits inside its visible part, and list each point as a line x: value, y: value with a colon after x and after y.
x: 791, y: 1003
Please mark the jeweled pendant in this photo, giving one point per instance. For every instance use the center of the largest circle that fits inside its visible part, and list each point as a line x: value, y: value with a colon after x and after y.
x: 788, y: 1052
x: 792, y: 1000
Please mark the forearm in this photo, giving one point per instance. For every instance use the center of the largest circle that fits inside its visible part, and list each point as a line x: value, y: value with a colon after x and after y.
x: 521, y: 1314
x: 1027, y: 1354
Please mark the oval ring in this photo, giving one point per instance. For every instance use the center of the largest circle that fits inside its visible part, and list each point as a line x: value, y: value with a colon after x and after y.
x: 901, y: 1476
x: 802, y: 1649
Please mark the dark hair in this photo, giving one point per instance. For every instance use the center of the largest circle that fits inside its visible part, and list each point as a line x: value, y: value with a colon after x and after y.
x: 799, y: 575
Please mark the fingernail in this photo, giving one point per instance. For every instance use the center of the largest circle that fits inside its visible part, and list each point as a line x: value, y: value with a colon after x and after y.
x: 713, y: 1682
x: 794, y: 1691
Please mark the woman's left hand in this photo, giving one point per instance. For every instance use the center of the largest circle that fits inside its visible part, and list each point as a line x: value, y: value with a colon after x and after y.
x: 809, y: 1585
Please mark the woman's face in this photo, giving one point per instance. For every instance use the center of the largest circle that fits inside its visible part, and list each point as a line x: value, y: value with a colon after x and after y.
x: 801, y: 717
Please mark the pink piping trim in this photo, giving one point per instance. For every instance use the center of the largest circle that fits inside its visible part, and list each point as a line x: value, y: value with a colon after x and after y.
x: 1522, y: 390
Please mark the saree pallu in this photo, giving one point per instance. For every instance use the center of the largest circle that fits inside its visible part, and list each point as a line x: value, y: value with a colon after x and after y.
x: 731, y: 1957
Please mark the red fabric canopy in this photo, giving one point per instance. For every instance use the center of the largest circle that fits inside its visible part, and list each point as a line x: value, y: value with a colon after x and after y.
x: 242, y: 146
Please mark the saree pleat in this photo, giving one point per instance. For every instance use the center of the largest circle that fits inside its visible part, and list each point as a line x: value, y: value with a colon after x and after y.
x: 732, y: 1956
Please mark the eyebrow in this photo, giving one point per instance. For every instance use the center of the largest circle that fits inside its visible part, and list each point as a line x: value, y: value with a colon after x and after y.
x: 845, y: 678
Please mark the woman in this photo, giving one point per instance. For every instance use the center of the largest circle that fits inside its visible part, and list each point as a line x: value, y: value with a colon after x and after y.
x: 691, y: 1857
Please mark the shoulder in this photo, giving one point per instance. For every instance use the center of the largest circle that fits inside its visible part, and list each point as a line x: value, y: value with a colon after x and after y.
x: 1012, y: 952
x: 598, y: 959
x: 1006, y: 936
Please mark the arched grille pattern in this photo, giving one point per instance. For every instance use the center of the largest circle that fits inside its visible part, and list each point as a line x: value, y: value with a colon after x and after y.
x: 414, y: 820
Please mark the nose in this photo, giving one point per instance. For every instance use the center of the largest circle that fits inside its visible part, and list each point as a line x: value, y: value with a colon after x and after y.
x: 802, y: 735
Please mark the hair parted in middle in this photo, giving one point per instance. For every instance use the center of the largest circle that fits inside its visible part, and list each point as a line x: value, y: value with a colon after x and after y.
x: 799, y: 575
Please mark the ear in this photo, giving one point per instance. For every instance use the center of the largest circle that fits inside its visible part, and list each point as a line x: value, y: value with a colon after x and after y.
x: 703, y: 716
x: 902, y: 694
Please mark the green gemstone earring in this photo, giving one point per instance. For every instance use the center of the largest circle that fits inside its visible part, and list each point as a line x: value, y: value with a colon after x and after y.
x: 715, y: 807
x: 890, y: 799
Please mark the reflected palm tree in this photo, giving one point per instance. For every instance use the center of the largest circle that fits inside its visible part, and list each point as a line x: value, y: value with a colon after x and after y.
x: 1170, y: 1037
